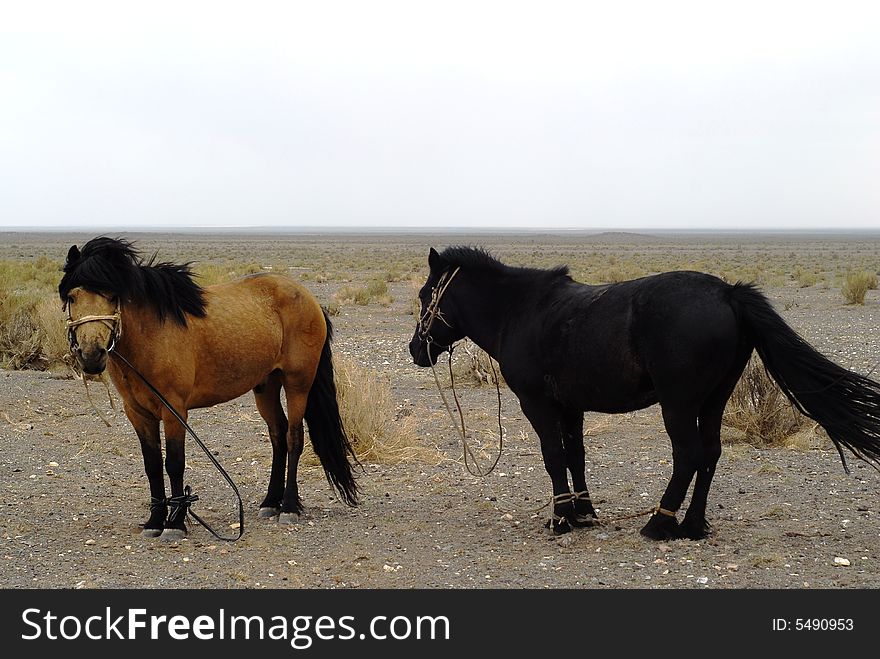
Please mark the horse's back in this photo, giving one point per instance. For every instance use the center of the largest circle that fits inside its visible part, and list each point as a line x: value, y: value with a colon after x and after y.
x: 613, y: 345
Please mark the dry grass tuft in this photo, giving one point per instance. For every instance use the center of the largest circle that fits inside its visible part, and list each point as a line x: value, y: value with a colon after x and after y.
x: 53, y: 332
x: 856, y: 285
x: 378, y: 429
x: 473, y: 365
x: 760, y: 411
x: 805, y: 278
x: 376, y: 290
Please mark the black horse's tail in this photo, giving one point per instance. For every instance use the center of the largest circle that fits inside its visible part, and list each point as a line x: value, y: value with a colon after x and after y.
x: 325, y: 426
x: 845, y: 404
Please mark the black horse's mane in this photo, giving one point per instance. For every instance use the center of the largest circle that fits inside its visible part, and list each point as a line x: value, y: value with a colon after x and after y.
x: 113, y: 266
x: 478, y: 258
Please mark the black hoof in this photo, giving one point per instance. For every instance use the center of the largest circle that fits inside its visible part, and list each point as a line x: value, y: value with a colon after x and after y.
x: 661, y: 527
x: 268, y: 512
x: 693, y: 529
x: 295, y: 507
x: 559, y: 526
x: 151, y: 533
x: 584, y: 508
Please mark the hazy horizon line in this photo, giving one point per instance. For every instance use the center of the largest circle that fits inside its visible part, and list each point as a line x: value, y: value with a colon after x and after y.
x: 273, y: 229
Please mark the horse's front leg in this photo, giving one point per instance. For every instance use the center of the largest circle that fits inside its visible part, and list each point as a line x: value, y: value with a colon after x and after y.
x: 175, y: 460
x: 548, y: 421
x: 147, y: 430
x: 573, y: 443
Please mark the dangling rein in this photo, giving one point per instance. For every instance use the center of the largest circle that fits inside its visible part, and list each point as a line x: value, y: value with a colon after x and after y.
x: 432, y: 313
x: 185, y: 501
x: 114, y: 322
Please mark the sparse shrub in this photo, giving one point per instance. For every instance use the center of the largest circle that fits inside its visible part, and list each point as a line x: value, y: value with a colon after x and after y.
x: 473, y: 365
x: 53, y: 331
x: 20, y: 337
x: 856, y: 285
x: 415, y: 304
x: 805, y: 278
x: 379, y: 431
x: 760, y: 410
x: 208, y: 274
x: 376, y: 290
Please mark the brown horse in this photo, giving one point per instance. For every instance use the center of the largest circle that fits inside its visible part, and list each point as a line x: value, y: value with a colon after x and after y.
x: 203, y: 346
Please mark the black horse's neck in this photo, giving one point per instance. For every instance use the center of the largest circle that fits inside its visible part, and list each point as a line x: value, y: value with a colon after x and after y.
x: 486, y: 303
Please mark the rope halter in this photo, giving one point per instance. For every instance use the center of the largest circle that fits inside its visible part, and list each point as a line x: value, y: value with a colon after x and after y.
x: 113, y: 321
x: 432, y: 312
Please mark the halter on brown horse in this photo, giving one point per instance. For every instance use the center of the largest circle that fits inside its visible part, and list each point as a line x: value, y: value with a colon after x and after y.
x: 203, y: 346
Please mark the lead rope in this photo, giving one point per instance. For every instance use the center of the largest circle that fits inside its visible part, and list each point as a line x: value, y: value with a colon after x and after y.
x: 95, y: 408
x: 460, y: 428
x: 180, y: 505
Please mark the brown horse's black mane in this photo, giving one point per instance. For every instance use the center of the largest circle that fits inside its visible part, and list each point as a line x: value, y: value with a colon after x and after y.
x: 112, y: 266
x: 478, y: 258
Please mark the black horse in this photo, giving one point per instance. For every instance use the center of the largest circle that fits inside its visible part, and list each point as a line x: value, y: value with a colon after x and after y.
x: 681, y: 339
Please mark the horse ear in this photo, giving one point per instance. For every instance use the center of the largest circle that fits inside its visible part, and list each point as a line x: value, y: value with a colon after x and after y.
x: 434, y: 259
x: 72, y: 255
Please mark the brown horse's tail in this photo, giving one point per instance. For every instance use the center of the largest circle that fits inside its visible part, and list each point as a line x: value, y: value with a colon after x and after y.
x: 325, y: 426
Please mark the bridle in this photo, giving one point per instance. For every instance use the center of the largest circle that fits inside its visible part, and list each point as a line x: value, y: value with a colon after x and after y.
x: 113, y: 321
x: 432, y: 311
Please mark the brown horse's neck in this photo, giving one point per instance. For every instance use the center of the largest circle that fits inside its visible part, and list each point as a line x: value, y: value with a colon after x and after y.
x: 139, y: 325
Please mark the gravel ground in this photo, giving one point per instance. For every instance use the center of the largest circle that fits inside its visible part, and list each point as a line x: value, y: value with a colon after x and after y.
x: 75, y: 493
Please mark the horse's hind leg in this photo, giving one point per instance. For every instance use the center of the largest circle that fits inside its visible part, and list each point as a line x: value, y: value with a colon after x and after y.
x: 694, y: 525
x: 268, y: 401
x: 573, y: 441
x: 687, y: 455
x: 291, y: 506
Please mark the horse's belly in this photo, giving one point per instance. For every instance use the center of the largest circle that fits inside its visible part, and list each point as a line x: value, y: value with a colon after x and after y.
x: 611, y: 394
x: 638, y: 401
x: 226, y: 378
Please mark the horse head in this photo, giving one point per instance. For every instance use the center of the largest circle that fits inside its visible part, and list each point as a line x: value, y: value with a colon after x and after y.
x: 93, y: 325
x: 436, y: 330
x: 91, y: 291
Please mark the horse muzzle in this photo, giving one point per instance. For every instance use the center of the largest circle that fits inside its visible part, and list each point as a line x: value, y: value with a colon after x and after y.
x: 418, y: 349
x: 93, y: 361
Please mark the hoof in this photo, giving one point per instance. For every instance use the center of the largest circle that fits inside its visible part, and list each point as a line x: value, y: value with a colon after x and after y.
x: 661, y: 527
x: 151, y: 533
x: 172, y: 535
x: 288, y: 518
x: 559, y: 527
x: 268, y: 512
x: 585, y: 521
x: 693, y: 530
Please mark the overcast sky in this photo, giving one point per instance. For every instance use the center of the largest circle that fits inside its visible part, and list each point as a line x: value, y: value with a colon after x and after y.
x: 440, y: 114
